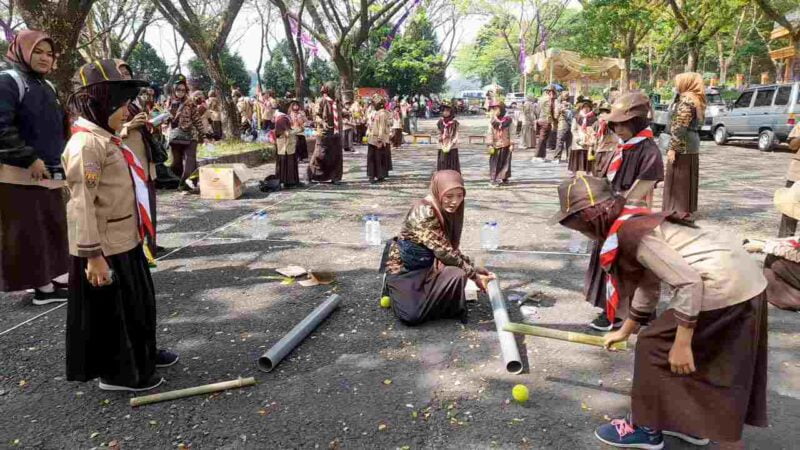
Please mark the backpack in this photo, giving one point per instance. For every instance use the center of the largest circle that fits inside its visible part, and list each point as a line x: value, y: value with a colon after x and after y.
x: 22, y: 84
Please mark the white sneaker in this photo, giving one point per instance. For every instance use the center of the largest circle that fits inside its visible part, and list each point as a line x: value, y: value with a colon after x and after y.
x: 150, y: 384
x: 688, y: 438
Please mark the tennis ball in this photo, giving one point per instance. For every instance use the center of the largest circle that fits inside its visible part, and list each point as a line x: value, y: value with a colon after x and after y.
x: 386, y: 301
x: 520, y: 393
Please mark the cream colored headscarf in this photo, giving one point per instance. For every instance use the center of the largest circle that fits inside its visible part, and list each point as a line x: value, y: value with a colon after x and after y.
x: 690, y: 84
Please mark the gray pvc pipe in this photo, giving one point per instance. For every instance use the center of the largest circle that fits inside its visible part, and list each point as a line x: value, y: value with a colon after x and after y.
x: 508, y: 345
x: 292, y: 339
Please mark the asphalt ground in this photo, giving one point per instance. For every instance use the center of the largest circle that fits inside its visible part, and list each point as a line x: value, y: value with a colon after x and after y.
x: 363, y: 380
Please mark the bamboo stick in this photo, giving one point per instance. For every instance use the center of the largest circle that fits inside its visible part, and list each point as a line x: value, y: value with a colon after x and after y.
x: 195, y: 390
x: 569, y: 336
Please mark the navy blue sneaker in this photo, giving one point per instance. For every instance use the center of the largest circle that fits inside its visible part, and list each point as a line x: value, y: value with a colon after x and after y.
x: 621, y: 434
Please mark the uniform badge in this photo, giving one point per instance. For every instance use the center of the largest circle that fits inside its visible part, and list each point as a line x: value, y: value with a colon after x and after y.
x: 91, y: 173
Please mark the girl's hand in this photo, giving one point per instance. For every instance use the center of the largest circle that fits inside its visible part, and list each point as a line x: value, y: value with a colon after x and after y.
x: 681, y: 359
x: 671, y: 156
x: 38, y: 170
x: 615, y: 336
x: 97, y: 271
x: 754, y: 246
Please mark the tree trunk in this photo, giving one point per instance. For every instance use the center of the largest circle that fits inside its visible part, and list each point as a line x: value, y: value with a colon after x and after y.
x: 793, y: 74
x: 691, y: 59
x: 345, y: 67
x: 624, y: 75
x: 230, y: 124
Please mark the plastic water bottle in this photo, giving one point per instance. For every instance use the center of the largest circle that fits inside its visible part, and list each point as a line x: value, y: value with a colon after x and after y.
x: 486, y: 235
x: 577, y: 243
x: 260, y: 225
x: 376, y: 230
x: 368, y: 225
x: 495, y: 235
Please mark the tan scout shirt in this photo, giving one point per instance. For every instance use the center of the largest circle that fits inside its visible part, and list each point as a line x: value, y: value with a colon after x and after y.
x: 793, y: 173
x: 706, y: 273
x: 102, y: 208
x: 379, y: 128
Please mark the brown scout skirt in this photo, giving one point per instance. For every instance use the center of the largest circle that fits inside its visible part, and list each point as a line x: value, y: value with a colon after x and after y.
x: 301, y: 148
x: 286, y: 169
x: 681, y: 183
x: 397, y: 137
x: 427, y: 294
x: 729, y: 388
x: 500, y: 165
x: 376, y: 161
x: 33, y: 236
x: 578, y: 160
x: 448, y: 161
x: 327, y: 160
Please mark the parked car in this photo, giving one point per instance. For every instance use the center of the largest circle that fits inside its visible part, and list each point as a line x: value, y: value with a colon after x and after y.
x: 714, y: 106
x: 474, y: 100
x: 515, y: 99
x: 766, y: 113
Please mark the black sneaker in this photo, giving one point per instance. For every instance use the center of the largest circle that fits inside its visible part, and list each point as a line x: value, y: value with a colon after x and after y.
x: 152, y: 383
x: 601, y: 323
x: 688, y: 438
x: 166, y: 358
x: 59, y: 295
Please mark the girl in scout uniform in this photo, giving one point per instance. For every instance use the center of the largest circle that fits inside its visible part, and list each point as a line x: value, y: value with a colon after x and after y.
x: 499, y: 145
x: 447, y: 158
x: 286, y: 143
x: 111, y: 316
x: 378, y: 141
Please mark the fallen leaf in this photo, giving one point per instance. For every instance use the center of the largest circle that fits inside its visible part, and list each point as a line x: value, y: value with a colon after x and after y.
x: 414, y: 414
x: 153, y: 422
x: 382, y: 427
x: 584, y: 407
x: 94, y: 435
x: 263, y: 412
x: 22, y: 383
x: 15, y: 442
x: 287, y: 281
x: 387, y: 381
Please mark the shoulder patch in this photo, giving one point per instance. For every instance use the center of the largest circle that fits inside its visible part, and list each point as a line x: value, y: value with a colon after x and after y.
x: 91, y: 174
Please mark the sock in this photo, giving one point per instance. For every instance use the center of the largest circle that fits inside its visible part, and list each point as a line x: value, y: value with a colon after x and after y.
x: 48, y: 288
x: 62, y: 279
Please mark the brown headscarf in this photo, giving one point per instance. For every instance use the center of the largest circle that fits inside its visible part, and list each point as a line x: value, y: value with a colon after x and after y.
x: 690, y: 84
x: 442, y: 182
x: 21, y: 48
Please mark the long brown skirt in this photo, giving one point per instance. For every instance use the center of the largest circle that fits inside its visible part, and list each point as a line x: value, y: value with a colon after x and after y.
x: 601, y: 162
x: 500, y: 165
x: 783, y: 282
x: 427, y: 294
x: 594, y: 283
x: 286, y: 169
x: 397, y: 137
x: 542, y: 138
x: 376, y: 162
x: 326, y: 162
x: 788, y: 226
x: 448, y: 161
x: 729, y: 388
x: 681, y: 183
x: 578, y: 160
x: 387, y: 157
x: 301, y: 148
x: 33, y: 236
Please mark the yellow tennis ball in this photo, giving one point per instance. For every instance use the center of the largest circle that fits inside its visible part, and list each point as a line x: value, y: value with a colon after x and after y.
x: 386, y: 301
x: 520, y: 393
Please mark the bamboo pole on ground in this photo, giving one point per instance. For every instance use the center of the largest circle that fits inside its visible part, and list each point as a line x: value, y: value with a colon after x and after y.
x: 561, y: 335
x: 196, y: 390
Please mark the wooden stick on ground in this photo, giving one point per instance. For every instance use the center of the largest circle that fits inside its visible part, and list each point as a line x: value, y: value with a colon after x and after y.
x: 570, y: 336
x: 196, y: 390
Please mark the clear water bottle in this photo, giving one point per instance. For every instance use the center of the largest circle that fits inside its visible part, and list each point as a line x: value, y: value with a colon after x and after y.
x: 376, y: 230
x: 368, y: 230
x: 260, y: 225
x: 577, y: 243
x: 495, y: 235
x: 486, y: 231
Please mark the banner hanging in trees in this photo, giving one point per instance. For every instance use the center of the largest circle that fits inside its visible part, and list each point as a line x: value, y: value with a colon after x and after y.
x: 307, y: 41
x: 384, y: 48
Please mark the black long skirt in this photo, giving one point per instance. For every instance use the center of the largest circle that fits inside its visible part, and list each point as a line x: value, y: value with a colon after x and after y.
x: 111, y: 330
x: 681, y: 183
x: 387, y: 157
x: 500, y: 165
x: 326, y: 162
x: 376, y: 162
x: 729, y: 388
x: 33, y: 236
x: 448, y: 161
x: 427, y: 294
x: 397, y: 137
x: 301, y: 148
x: 578, y: 160
x: 595, y: 279
x: 286, y: 169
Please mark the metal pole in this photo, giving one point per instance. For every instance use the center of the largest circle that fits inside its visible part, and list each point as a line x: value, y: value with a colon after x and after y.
x: 508, y: 345
x: 292, y: 339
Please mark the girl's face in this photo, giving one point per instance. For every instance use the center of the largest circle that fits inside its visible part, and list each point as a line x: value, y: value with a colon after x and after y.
x: 295, y: 107
x: 452, y: 199
x: 119, y: 117
x: 125, y: 72
x: 586, y: 109
x: 180, y: 91
x: 42, y: 58
x: 446, y: 113
x: 622, y: 129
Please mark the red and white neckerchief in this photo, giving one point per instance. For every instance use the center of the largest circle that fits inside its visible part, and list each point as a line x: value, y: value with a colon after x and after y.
x: 335, y: 109
x: 585, y: 120
x: 616, y: 161
x: 138, y: 175
x: 608, y: 256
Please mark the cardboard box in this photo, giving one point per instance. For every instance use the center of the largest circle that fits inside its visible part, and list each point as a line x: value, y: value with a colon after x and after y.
x: 222, y: 181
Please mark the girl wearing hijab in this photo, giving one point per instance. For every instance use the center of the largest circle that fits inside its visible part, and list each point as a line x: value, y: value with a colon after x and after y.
x: 605, y: 142
x: 286, y: 145
x: 447, y: 158
x: 426, y: 271
x: 700, y: 367
x: 111, y: 315
x: 499, y: 145
x: 397, y: 126
x: 378, y: 141
x: 326, y: 161
x: 634, y: 168
x: 298, y: 120
x: 683, y: 157
x: 583, y: 133
x: 186, y: 130
x: 33, y: 224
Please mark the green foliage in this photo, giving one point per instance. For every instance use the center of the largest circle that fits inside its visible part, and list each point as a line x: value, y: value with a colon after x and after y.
x: 319, y: 71
x: 488, y: 59
x: 147, y: 65
x: 413, y: 64
x: 278, y: 73
x: 233, y: 70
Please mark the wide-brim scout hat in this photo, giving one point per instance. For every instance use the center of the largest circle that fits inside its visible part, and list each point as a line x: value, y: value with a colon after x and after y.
x: 584, y: 101
x: 629, y: 106
x: 579, y: 193
x: 103, y: 71
x: 604, y: 106
x: 787, y: 201
x: 445, y: 104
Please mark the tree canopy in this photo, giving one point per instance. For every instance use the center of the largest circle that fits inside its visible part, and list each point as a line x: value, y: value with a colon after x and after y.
x: 147, y: 64
x: 233, y: 70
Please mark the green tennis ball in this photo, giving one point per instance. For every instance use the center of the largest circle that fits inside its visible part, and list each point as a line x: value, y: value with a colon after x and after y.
x: 386, y: 301
x: 520, y: 393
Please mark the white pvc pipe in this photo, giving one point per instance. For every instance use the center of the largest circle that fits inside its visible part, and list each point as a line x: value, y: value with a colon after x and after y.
x: 508, y: 345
